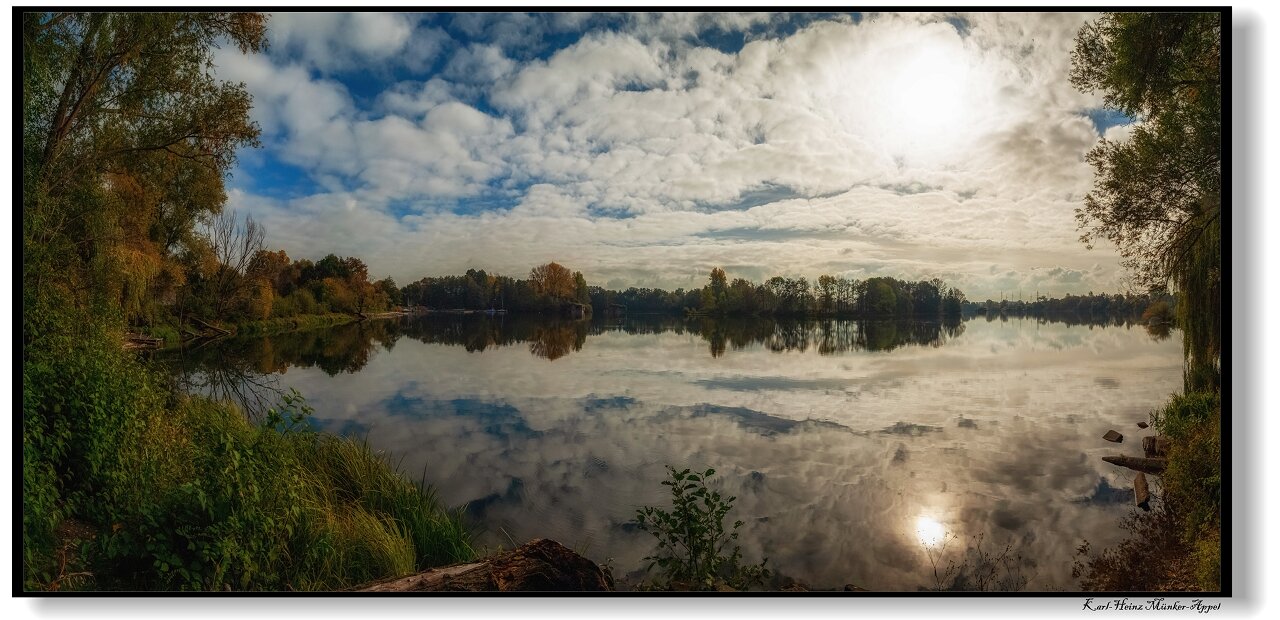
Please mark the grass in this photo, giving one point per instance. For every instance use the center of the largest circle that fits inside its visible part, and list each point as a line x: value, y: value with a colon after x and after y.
x: 183, y: 493
x: 236, y: 506
x: 293, y: 323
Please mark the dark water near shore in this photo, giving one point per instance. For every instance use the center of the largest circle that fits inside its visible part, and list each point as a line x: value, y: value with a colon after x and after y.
x: 842, y: 440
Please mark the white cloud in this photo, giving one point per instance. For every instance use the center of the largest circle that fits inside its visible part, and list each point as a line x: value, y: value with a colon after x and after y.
x: 898, y: 146
x: 341, y: 41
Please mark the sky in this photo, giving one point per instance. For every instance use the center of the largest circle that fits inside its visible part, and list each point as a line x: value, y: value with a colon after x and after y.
x: 645, y: 149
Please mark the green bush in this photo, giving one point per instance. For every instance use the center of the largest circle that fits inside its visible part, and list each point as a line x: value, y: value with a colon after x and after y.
x: 692, y: 540
x: 83, y: 399
x: 40, y: 514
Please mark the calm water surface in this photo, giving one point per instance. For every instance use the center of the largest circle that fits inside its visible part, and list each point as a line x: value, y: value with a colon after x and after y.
x: 841, y: 440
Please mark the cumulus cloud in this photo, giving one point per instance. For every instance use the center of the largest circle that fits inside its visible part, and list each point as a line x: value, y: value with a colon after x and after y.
x: 338, y: 41
x: 911, y: 145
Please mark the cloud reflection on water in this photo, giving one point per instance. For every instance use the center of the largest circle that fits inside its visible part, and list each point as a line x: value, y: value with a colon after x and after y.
x: 834, y: 454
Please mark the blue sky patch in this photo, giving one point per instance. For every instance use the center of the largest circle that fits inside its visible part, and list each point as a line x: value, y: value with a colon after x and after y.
x: 1106, y: 118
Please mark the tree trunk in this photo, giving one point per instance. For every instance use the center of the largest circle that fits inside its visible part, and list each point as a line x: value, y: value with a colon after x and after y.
x: 538, y: 566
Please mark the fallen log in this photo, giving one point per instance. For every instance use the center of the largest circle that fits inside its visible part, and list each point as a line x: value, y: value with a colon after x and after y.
x: 538, y: 566
x: 142, y: 340
x: 133, y: 340
x: 1145, y: 465
x: 207, y: 325
x: 1141, y: 494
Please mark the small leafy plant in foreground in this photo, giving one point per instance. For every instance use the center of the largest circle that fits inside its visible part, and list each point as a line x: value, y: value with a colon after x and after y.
x: 692, y: 541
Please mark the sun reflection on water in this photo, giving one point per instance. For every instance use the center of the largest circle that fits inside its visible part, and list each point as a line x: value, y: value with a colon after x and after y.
x: 929, y: 531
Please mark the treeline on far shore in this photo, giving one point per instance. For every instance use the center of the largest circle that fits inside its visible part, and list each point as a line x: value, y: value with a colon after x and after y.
x: 552, y: 284
x: 1154, y: 308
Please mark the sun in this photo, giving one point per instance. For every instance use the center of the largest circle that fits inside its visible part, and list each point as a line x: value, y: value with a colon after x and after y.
x: 922, y: 99
x: 927, y: 94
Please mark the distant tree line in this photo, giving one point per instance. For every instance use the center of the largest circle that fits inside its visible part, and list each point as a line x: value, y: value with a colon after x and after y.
x: 547, y: 288
x: 829, y: 296
x: 1089, y: 308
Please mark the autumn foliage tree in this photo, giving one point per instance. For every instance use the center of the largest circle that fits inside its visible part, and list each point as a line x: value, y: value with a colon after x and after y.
x: 126, y: 136
x: 553, y: 280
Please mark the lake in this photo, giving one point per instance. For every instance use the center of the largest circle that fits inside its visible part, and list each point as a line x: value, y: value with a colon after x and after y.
x: 859, y: 452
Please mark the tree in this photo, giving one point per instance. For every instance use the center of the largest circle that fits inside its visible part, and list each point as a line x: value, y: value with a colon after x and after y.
x: 879, y: 298
x: 387, y: 286
x: 126, y: 136
x: 234, y: 247
x: 553, y: 280
x: 712, y: 296
x: 1157, y: 195
x: 826, y: 293
x: 580, y: 292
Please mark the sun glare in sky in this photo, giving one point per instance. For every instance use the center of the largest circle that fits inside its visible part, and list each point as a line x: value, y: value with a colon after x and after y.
x: 927, y: 95
x: 919, y: 101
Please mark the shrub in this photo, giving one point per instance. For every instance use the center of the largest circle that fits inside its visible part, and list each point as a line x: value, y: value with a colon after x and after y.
x: 1141, y: 562
x: 1193, y: 480
x: 980, y: 571
x: 692, y: 539
x: 1159, y: 312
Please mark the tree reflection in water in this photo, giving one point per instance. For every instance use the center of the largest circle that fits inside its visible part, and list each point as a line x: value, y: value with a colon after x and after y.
x: 557, y: 340
x: 829, y: 336
x: 243, y: 370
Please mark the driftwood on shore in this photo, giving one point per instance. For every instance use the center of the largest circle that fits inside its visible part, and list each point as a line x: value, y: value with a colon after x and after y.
x: 541, y: 565
x: 1145, y: 465
x: 210, y: 326
x: 141, y: 341
x: 1141, y: 494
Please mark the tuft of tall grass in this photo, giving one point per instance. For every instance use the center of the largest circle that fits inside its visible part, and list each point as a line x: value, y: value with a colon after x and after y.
x: 355, y: 474
x: 271, y: 510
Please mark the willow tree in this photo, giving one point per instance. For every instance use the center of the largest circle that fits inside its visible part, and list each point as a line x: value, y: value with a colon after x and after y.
x: 1157, y: 195
x: 127, y: 136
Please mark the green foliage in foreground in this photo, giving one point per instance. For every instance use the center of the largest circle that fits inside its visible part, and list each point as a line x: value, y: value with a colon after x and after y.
x: 692, y: 540
x: 1193, y: 481
x: 186, y: 494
